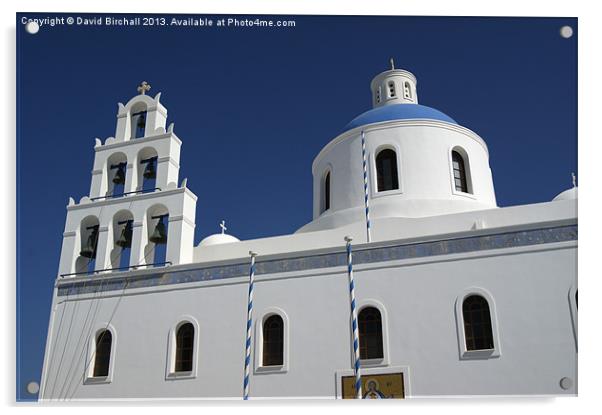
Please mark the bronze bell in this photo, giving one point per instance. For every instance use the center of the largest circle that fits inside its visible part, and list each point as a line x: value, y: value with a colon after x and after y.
x: 159, y: 235
x: 141, y: 121
x: 125, y: 240
x: 149, y: 171
x: 89, y: 251
x: 119, y: 177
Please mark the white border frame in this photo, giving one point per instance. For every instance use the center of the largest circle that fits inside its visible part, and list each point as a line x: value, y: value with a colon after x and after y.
x: 89, y: 378
x: 484, y: 354
x: 258, y: 359
x: 170, y: 361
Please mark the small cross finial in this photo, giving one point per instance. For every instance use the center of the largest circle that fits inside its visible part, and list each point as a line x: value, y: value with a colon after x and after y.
x: 143, y: 88
x: 392, y: 63
x: 223, y: 226
x: 574, y: 179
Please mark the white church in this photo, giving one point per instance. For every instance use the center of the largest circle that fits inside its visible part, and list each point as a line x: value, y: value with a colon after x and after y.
x: 453, y: 295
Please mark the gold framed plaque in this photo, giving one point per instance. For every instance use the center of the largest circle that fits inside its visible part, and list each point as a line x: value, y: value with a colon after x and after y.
x: 383, y: 386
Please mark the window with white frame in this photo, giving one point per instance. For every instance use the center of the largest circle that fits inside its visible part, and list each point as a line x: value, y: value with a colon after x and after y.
x: 273, y: 341
x: 477, y: 325
x: 102, y: 354
x: 326, y: 193
x: 184, y: 348
x: 370, y: 331
x: 387, y: 176
x: 460, y: 172
x: 182, y: 352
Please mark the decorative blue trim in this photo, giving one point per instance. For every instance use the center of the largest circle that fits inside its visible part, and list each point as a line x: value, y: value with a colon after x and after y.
x: 329, y: 260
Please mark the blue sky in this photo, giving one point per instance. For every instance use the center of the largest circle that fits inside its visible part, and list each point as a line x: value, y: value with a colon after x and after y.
x: 254, y: 106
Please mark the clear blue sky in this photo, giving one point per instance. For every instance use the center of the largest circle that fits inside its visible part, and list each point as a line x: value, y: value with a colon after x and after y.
x: 254, y: 106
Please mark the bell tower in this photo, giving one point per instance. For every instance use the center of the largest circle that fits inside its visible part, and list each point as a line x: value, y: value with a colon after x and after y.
x: 136, y: 214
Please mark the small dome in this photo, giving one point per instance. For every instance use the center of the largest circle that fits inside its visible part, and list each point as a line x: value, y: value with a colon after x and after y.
x: 569, y: 194
x: 398, y: 112
x: 218, y: 239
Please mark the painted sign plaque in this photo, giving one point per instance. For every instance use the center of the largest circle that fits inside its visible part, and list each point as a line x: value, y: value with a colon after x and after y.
x: 385, y: 386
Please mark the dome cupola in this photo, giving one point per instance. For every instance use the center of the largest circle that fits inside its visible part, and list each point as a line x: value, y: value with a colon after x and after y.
x: 395, y: 86
x: 408, y: 160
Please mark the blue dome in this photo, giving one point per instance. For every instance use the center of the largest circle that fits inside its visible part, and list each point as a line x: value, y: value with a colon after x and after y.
x: 398, y: 112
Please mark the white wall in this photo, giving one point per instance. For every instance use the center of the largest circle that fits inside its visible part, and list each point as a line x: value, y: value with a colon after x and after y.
x: 529, y: 285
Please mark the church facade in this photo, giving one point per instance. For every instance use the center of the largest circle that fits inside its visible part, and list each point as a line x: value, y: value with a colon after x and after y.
x: 454, y: 296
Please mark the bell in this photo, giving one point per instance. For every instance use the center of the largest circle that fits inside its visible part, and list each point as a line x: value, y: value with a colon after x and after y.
x: 150, y: 172
x: 119, y: 177
x: 141, y: 121
x: 89, y: 251
x: 159, y: 236
x: 125, y: 240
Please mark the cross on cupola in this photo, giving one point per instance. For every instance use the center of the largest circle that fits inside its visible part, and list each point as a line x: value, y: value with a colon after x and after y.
x: 223, y: 226
x: 143, y: 88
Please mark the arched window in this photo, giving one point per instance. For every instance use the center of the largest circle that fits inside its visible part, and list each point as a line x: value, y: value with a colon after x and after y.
x: 184, y: 347
x: 370, y: 333
x: 459, y: 167
x: 386, y: 170
x: 391, y: 89
x: 477, y: 323
x: 326, y: 192
x: 102, y: 356
x: 407, y: 90
x: 273, y: 341
x: 378, y: 95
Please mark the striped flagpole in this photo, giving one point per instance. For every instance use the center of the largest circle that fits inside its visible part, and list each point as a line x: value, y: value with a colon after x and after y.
x: 249, y: 327
x: 368, y: 236
x: 356, y: 342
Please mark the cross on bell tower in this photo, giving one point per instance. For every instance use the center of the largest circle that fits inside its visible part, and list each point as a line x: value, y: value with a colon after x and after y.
x: 143, y: 88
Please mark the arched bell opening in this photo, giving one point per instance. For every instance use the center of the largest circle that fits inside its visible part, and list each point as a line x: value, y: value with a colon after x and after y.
x: 138, y: 118
x: 147, y: 169
x: 116, y: 174
x: 157, y: 219
x: 88, y: 243
x: 123, y: 222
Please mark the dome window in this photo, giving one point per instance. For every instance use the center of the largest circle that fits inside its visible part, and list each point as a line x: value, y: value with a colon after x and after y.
x: 460, y: 180
x: 391, y: 87
x: 378, y: 96
x: 386, y: 170
x: 326, y: 193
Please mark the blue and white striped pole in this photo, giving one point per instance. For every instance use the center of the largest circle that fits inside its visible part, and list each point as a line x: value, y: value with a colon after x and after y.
x: 249, y: 327
x: 356, y: 341
x: 368, y: 236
